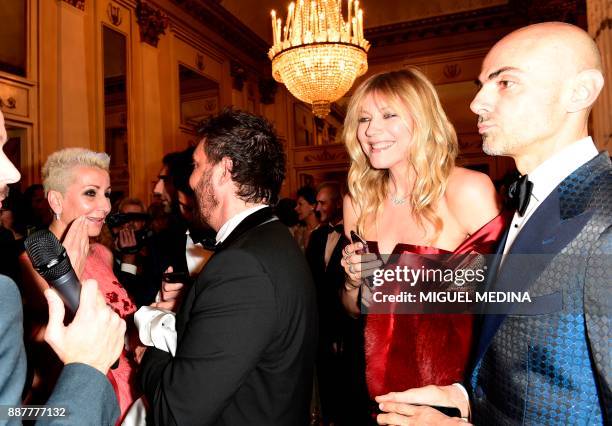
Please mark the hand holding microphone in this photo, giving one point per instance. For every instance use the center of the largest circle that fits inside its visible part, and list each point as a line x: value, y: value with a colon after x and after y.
x: 91, y: 336
x: 50, y: 259
x: 96, y: 335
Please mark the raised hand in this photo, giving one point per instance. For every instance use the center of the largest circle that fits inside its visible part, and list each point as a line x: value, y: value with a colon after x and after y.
x: 358, y: 265
x: 96, y: 335
x: 76, y: 243
x: 171, y: 294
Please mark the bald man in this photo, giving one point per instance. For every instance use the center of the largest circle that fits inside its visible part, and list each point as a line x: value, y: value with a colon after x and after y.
x: 548, y: 361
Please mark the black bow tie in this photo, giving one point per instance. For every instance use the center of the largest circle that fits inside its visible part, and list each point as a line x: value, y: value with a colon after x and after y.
x: 209, y: 243
x: 520, y: 194
x: 205, y: 237
x: 339, y: 228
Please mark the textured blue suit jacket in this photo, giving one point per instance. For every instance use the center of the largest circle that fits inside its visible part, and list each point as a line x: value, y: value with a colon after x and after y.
x: 86, y: 393
x: 550, y: 362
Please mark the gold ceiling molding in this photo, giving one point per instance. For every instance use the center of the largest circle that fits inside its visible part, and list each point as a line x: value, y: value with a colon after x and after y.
x: 79, y: 4
x: 152, y: 23
x: 114, y: 14
x: 214, y: 16
x: 514, y: 14
x: 326, y: 156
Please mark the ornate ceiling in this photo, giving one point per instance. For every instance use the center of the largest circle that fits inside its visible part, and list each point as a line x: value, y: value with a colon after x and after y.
x: 377, y: 13
x: 425, y: 24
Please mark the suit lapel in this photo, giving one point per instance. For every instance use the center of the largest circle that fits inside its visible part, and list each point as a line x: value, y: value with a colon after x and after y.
x: 253, y: 220
x: 544, y: 235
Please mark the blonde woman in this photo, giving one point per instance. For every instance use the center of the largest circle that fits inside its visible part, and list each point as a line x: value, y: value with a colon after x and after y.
x: 77, y: 186
x: 407, y: 196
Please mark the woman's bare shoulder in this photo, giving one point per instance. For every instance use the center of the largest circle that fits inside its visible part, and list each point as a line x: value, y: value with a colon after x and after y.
x: 471, y: 198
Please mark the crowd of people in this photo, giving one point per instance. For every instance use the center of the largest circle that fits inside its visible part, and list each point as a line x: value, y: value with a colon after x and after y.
x: 220, y: 304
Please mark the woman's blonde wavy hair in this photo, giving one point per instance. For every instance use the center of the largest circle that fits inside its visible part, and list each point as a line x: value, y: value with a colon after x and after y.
x: 433, y: 147
x: 57, y: 171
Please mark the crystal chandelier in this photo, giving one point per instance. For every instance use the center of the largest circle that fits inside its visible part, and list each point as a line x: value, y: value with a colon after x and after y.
x: 318, y: 55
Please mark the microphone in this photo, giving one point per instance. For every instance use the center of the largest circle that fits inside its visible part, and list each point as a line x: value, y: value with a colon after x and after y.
x: 51, y: 261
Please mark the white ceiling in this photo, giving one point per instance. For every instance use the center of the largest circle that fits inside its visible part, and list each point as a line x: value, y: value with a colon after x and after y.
x: 256, y: 14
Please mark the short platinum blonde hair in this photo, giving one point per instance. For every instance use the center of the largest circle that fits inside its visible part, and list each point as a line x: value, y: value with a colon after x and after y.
x: 57, y: 171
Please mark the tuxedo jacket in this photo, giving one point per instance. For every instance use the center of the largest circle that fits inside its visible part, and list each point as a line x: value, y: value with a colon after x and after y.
x: 329, y: 281
x: 549, y: 361
x: 246, y: 335
x: 85, y: 393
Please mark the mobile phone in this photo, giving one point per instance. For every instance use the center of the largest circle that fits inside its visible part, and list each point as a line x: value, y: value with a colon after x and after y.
x: 355, y: 238
x: 447, y: 411
x: 176, y: 277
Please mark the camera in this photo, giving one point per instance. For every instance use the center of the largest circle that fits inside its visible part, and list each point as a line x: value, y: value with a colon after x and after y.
x: 115, y: 220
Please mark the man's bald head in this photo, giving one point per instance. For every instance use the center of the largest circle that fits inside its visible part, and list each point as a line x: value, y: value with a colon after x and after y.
x: 566, y: 45
x: 539, y: 84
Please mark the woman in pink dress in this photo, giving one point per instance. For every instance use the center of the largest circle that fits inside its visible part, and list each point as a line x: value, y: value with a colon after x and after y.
x: 77, y: 185
x: 407, y: 196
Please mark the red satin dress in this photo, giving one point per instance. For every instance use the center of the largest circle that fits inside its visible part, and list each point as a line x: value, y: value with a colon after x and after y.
x: 406, y: 351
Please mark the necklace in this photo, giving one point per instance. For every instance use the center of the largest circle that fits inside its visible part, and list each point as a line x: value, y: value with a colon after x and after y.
x: 397, y: 201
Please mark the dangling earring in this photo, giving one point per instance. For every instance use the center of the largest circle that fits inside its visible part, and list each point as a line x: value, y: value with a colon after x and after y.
x: 57, y: 216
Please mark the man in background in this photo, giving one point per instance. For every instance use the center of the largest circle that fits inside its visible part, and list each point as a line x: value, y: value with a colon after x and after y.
x: 340, y: 362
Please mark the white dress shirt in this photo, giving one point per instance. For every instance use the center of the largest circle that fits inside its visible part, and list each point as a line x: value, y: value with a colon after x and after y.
x: 332, y: 239
x: 547, y: 176
x: 196, y: 255
x: 234, y: 221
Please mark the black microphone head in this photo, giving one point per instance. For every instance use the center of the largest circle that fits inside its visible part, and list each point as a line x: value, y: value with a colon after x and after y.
x: 47, y: 254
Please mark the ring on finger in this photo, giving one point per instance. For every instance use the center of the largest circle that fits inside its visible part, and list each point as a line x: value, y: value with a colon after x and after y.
x: 351, y: 268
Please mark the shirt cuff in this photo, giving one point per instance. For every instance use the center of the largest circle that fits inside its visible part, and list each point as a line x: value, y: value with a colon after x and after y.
x: 467, y: 397
x: 129, y: 268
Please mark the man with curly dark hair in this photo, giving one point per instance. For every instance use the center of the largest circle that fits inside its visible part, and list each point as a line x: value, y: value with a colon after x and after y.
x: 246, y: 330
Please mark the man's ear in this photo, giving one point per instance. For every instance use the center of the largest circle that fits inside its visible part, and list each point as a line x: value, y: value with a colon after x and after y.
x: 56, y: 201
x: 227, y: 166
x: 585, y: 89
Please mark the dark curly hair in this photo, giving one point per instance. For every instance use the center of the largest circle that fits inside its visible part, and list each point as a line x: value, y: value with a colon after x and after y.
x: 308, y: 193
x: 255, y: 150
x: 180, y: 170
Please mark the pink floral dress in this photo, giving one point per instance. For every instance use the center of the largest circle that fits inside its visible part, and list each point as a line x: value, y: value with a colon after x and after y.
x: 98, y: 266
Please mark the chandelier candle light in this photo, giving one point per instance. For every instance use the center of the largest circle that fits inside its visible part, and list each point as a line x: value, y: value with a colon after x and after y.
x: 318, y: 55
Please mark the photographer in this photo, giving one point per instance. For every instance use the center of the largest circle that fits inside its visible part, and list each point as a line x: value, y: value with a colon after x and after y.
x: 132, y: 250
